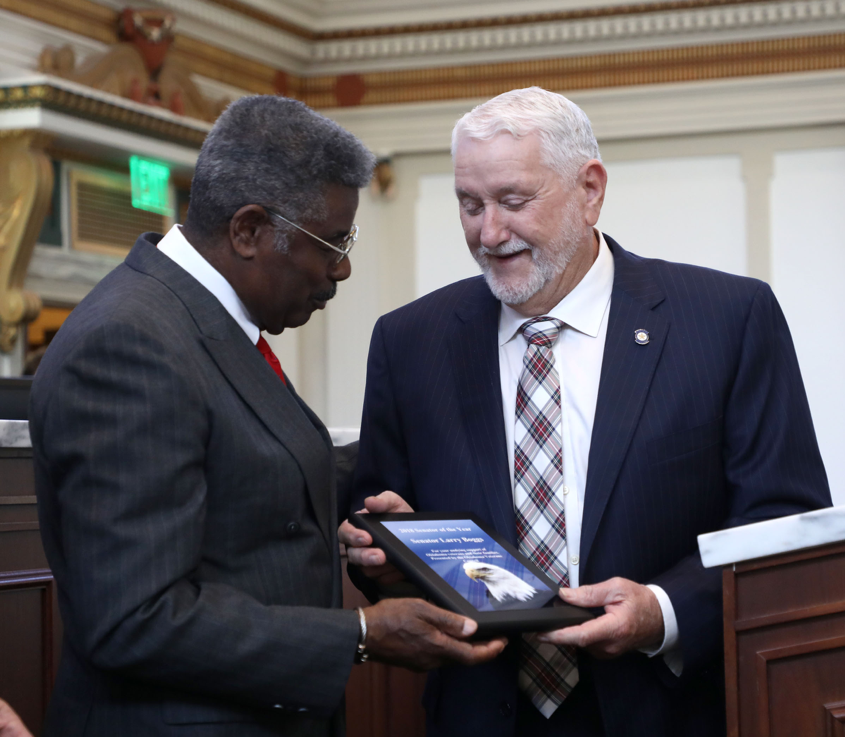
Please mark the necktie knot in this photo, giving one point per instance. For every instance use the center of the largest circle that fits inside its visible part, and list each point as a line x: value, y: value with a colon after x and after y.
x: 542, y: 331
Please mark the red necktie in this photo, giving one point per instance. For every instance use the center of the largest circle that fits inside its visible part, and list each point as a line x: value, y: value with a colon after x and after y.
x: 270, y: 357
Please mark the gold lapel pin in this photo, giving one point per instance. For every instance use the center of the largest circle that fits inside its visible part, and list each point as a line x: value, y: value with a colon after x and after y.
x: 641, y: 336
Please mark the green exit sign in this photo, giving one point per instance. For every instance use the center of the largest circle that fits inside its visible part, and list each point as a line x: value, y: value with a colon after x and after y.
x: 149, y: 185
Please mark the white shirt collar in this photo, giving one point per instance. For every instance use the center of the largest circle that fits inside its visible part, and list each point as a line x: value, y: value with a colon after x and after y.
x: 582, y: 309
x: 177, y: 247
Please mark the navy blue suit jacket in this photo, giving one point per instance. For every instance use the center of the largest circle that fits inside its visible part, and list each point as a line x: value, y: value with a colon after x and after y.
x: 705, y: 427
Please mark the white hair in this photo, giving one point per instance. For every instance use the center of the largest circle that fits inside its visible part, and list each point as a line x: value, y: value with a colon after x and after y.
x: 566, y: 136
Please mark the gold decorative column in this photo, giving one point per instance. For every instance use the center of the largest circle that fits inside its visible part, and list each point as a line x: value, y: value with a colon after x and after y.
x: 26, y: 185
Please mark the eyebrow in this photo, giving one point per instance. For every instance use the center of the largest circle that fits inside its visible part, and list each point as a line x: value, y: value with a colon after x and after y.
x: 338, y: 234
x: 503, y: 190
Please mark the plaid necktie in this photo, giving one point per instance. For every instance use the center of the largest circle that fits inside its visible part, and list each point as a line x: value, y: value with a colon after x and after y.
x: 547, y: 672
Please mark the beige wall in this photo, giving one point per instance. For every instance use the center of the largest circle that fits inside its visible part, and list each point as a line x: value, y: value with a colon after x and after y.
x: 710, y: 199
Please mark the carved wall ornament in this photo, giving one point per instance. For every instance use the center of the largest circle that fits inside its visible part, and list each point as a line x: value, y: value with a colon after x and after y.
x: 383, y: 184
x: 26, y: 184
x: 138, y: 67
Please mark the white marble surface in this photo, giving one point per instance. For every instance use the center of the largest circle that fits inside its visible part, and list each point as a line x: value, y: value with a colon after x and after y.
x: 14, y: 434
x: 772, y: 537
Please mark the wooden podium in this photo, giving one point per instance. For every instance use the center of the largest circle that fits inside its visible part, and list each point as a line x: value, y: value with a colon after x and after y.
x: 785, y: 631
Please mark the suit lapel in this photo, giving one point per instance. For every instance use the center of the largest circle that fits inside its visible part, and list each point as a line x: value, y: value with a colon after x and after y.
x: 474, y: 351
x: 626, y: 376
x: 278, y: 408
x: 280, y: 411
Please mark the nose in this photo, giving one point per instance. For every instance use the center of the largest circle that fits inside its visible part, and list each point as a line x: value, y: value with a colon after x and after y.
x: 340, y: 271
x: 493, y: 228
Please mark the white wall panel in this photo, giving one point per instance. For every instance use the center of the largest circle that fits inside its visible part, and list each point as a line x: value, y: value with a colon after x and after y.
x: 442, y: 256
x: 351, y: 316
x: 689, y: 209
x: 808, y: 262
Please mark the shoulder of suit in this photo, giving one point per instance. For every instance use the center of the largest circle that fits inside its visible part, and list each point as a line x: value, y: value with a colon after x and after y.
x: 679, y: 279
x: 124, y: 302
x: 444, y: 300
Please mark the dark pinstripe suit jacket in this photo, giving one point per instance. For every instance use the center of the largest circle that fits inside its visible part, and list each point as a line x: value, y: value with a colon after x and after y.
x: 188, y: 512
x: 706, y: 426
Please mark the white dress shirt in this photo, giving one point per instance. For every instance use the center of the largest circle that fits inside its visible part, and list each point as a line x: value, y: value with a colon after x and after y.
x: 578, y: 354
x: 176, y: 246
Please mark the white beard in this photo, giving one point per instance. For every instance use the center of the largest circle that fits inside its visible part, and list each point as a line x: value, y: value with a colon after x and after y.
x: 547, y: 263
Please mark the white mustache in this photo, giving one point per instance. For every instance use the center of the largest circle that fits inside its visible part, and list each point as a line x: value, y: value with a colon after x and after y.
x: 508, y: 248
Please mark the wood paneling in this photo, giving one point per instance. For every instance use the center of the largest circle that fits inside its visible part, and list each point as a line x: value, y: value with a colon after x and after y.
x: 381, y: 701
x: 29, y: 622
x: 29, y: 619
x: 785, y: 645
x: 835, y: 714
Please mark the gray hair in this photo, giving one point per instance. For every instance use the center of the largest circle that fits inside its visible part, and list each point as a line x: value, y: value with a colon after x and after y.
x: 566, y: 136
x: 276, y: 152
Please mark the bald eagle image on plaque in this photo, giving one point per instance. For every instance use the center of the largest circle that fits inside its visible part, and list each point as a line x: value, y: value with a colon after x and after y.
x: 505, y: 590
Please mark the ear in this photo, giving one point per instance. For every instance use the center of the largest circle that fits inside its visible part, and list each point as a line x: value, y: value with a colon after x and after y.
x: 592, y: 179
x: 246, y: 229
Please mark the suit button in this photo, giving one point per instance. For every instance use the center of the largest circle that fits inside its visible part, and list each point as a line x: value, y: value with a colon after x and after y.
x: 292, y: 528
x: 505, y: 709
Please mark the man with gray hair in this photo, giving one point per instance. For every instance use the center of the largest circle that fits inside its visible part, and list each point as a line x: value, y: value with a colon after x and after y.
x: 186, y: 493
x: 600, y: 410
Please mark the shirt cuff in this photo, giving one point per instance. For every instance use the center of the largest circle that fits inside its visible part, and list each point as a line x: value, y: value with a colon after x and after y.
x: 669, y: 648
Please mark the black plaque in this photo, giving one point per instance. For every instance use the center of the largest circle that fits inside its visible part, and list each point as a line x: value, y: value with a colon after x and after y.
x: 464, y: 566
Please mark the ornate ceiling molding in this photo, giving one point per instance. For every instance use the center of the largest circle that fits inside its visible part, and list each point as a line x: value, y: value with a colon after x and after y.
x: 476, y: 23
x: 691, y: 40
x: 634, y: 68
x: 244, y: 30
x: 713, y: 106
x: 59, y: 95
x: 84, y: 17
x: 590, y: 34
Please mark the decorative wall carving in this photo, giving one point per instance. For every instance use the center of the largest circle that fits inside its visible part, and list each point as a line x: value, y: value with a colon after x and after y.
x: 26, y: 183
x: 383, y: 185
x: 138, y: 67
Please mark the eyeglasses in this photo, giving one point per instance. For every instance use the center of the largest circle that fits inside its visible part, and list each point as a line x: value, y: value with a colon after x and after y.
x: 343, y: 248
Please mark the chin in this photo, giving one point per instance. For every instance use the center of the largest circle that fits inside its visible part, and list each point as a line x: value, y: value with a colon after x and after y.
x: 515, y: 291
x: 297, y: 320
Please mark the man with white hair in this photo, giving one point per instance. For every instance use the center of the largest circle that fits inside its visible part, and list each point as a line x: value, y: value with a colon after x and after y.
x: 600, y: 410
